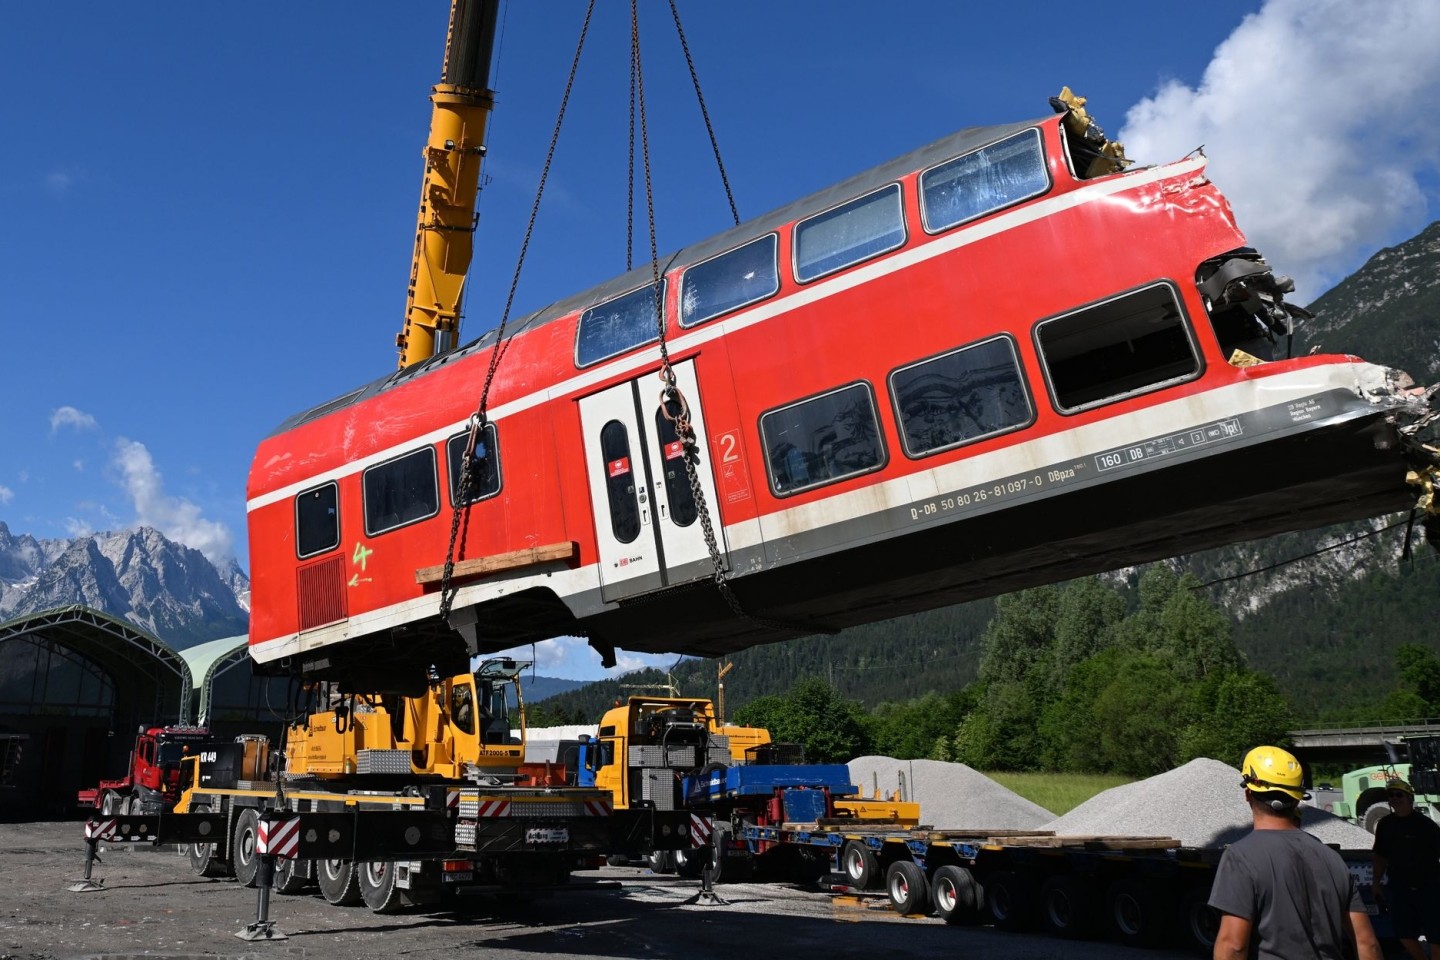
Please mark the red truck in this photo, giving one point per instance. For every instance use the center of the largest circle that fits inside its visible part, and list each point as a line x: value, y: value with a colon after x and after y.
x: 152, y: 779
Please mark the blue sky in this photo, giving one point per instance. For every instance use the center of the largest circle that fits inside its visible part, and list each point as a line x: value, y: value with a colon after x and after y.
x: 207, y: 210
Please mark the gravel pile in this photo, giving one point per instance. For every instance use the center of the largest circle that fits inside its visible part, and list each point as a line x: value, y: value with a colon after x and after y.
x: 1200, y: 804
x: 952, y: 796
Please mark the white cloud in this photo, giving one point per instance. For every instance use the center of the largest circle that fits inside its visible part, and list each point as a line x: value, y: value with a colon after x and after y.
x: 6, y: 494
x: 176, y: 517
x: 1316, y: 116
x: 79, y: 466
x: 70, y: 417
x: 59, y: 182
x: 78, y: 528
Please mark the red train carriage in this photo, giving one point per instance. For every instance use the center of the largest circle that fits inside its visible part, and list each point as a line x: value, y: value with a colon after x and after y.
x: 967, y: 371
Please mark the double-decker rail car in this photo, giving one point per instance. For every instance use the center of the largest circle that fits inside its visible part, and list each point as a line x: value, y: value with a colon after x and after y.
x: 991, y: 363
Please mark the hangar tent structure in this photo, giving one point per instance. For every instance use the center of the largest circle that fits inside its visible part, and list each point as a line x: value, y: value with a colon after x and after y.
x: 76, y: 683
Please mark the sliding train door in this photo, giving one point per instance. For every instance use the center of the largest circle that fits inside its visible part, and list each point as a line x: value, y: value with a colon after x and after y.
x: 647, y: 518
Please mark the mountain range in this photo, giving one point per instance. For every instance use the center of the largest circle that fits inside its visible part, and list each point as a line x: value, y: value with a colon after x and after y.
x: 1322, y: 610
x: 139, y: 575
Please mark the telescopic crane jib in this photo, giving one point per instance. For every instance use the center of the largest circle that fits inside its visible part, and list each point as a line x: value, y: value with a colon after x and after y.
x: 445, y: 227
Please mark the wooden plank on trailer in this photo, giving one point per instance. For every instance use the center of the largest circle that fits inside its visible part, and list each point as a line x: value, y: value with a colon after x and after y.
x: 481, y: 566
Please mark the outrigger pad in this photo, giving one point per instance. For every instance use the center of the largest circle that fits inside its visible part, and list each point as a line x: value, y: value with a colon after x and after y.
x: 86, y: 886
x: 261, y: 930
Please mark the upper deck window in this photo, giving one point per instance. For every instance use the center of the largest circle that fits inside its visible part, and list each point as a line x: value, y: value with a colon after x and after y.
x: 960, y: 396
x: 863, y: 228
x: 1122, y: 346
x: 610, y: 328
x: 983, y: 181
x: 401, y: 491
x: 317, y: 520
x: 484, y: 465
x: 822, y: 439
x: 730, y: 281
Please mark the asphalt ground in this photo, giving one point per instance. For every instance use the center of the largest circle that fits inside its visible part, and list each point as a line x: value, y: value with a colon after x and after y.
x: 151, y: 905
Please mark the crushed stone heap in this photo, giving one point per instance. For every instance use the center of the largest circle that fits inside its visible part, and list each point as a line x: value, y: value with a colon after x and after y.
x: 951, y: 795
x: 1201, y: 804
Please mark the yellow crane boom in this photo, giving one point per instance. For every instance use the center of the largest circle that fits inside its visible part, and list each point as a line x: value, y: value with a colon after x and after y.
x: 445, y: 227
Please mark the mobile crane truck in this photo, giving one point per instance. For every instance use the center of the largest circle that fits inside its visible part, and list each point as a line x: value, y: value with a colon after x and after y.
x: 647, y: 747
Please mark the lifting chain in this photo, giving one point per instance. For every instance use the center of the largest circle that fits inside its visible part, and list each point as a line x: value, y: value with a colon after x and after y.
x: 480, y: 418
x: 670, y: 393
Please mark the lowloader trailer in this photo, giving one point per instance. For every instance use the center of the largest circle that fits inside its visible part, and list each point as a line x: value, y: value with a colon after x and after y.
x: 778, y: 821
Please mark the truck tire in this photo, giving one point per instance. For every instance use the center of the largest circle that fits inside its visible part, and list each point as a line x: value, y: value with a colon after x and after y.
x: 1199, y: 922
x: 662, y: 861
x: 957, y: 896
x: 690, y: 863
x: 242, y: 847
x: 1374, y: 814
x: 1010, y: 900
x: 377, y: 886
x: 205, y: 860
x: 339, y: 882
x: 859, y: 865
x: 1068, y: 906
x: 909, y: 890
x: 291, y: 876
x: 1135, y: 913
x: 109, y: 803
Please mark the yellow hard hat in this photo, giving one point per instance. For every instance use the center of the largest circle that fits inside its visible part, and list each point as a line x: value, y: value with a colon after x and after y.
x: 1268, y: 769
x: 1395, y: 783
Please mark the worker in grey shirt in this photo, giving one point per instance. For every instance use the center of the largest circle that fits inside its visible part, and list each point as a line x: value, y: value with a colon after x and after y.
x: 1281, y: 893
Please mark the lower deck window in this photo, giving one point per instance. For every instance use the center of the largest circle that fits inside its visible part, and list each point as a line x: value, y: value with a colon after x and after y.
x: 484, y: 479
x: 317, y: 521
x: 822, y: 439
x: 401, y: 491
x: 973, y: 392
x: 1122, y: 346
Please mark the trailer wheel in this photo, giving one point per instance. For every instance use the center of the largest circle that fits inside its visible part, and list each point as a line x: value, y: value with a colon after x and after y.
x: 1068, y: 906
x: 1199, y: 922
x: 291, y: 876
x: 1134, y: 913
x: 957, y: 895
x: 339, y: 882
x: 377, y: 886
x: 909, y: 891
x: 204, y: 862
x: 859, y: 865
x: 1009, y: 899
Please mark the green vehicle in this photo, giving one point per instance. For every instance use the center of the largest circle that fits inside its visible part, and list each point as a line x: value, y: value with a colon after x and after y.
x: 1364, y: 789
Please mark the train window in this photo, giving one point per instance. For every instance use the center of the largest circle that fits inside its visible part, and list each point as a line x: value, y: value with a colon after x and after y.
x: 400, y: 491
x: 822, y: 439
x: 983, y: 181
x: 854, y: 231
x: 612, y: 327
x: 484, y: 466
x: 730, y: 281
x: 976, y: 391
x: 620, y: 481
x: 317, y: 520
x: 678, y: 492
x: 1122, y: 346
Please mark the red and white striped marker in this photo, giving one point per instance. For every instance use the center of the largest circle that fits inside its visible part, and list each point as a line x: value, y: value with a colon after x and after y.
x: 99, y: 829
x: 597, y: 808
x: 493, y: 808
x: 700, y: 830
x: 279, y: 838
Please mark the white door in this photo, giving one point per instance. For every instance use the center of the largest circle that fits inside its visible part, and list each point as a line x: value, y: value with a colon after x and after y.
x: 647, y: 521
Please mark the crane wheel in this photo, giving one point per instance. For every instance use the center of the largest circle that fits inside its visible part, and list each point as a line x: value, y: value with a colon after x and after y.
x: 339, y: 882
x: 204, y: 858
x: 378, y: 888
x: 242, y: 847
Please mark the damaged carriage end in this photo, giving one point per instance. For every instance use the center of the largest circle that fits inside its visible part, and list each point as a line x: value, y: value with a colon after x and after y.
x: 1246, y: 303
x: 1091, y: 154
x: 1412, y: 412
